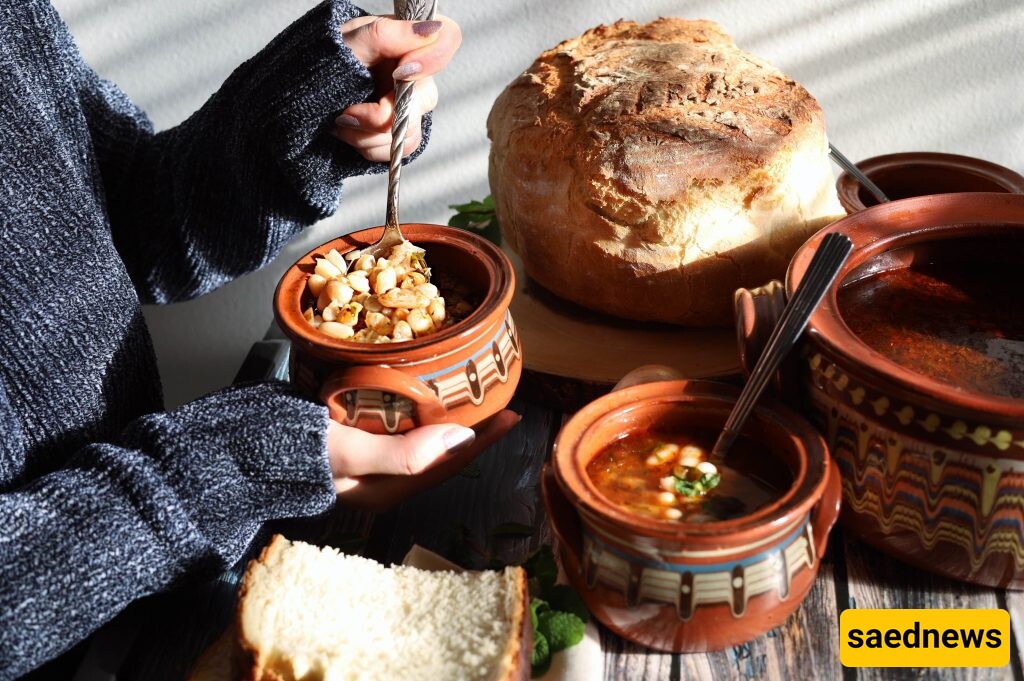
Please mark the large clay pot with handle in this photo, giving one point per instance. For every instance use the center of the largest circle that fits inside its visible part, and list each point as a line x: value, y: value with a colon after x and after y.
x: 932, y: 465
x: 464, y: 374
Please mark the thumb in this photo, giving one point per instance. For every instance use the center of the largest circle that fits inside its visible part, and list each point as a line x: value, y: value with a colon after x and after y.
x: 353, y: 452
x: 385, y: 38
x: 422, y: 447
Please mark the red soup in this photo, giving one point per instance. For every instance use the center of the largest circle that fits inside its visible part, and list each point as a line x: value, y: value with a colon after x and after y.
x: 665, y: 476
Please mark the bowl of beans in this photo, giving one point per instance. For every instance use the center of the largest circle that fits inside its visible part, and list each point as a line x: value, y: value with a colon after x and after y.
x: 670, y: 550
x: 416, y: 336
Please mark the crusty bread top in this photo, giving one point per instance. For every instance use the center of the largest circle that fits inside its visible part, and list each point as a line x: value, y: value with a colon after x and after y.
x: 314, y: 613
x: 648, y: 171
x: 652, y: 110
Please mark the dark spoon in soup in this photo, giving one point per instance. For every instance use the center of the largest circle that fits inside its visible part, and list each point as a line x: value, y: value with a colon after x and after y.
x: 641, y: 473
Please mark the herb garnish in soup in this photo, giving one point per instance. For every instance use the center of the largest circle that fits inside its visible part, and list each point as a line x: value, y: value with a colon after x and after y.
x: 667, y: 476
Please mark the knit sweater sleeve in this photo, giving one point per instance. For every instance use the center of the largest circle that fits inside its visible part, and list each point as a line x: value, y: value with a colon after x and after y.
x: 178, y: 493
x: 219, y: 195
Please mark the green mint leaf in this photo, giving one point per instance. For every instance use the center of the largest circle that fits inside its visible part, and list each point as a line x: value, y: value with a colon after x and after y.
x: 472, y: 207
x: 563, y: 597
x: 537, y: 608
x: 710, y: 481
x: 693, y: 488
x: 479, y: 217
x: 541, y: 660
x: 561, y: 629
x: 512, y: 530
x: 542, y: 566
x: 686, y: 487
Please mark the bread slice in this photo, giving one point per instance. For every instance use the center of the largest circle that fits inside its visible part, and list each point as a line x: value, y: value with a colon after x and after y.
x: 316, y: 614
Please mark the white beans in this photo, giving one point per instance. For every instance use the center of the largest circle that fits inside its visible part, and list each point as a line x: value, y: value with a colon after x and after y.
x: 420, y: 322
x: 316, y: 284
x: 359, y: 281
x: 365, y: 263
x: 692, y: 451
x: 326, y: 269
x: 377, y: 300
x: 338, y: 291
x: 336, y: 330
x: 335, y: 258
x: 707, y: 468
x: 397, y: 297
x: 385, y: 280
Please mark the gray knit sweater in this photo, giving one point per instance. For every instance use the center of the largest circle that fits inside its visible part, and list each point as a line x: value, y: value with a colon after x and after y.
x: 103, y: 496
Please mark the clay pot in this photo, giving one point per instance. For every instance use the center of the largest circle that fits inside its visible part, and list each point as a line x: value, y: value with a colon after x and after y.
x: 689, y: 587
x: 932, y: 471
x: 921, y: 173
x: 464, y: 374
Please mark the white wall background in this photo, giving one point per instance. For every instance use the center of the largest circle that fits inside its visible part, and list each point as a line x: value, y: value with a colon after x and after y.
x: 942, y: 75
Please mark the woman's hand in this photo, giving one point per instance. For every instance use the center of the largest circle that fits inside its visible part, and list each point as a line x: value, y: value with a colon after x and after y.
x: 402, y: 50
x: 376, y: 472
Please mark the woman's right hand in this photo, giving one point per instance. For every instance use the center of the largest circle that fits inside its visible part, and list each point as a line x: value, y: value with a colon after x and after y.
x: 376, y: 472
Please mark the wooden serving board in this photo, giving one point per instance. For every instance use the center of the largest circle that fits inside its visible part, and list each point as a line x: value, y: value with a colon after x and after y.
x: 572, y: 354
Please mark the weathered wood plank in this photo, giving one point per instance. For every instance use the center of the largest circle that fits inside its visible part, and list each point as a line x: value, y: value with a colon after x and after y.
x: 807, y: 641
x: 1014, y: 603
x: 501, y: 486
x: 625, y: 661
x: 879, y: 581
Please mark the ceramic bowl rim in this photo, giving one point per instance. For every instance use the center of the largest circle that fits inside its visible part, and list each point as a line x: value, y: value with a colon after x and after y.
x: 848, y: 187
x: 882, y: 228
x: 501, y: 285
x: 807, y: 487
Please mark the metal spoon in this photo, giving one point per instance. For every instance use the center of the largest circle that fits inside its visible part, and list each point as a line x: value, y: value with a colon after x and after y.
x: 848, y: 165
x: 406, y: 10
x: 822, y: 272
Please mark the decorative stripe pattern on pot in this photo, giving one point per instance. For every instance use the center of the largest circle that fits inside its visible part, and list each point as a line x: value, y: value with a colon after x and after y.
x: 907, y: 485
x: 466, y: 382
x: 827, y: 376
x: 691, y: 585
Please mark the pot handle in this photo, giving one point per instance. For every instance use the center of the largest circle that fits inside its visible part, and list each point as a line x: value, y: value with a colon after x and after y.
x: 824, y: 515
x: 428, y: 408
x: 757, y: 311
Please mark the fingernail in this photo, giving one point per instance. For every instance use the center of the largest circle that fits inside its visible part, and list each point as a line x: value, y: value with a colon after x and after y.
x: 406, y: 70
x: 426, y: 28
x: 346, y: 121
x: 457, y: 437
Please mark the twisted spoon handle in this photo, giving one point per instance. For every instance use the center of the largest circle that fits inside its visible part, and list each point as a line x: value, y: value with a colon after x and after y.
x: 406, y: 10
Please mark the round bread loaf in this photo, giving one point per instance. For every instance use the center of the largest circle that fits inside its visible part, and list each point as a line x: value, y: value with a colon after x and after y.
x: 648, y: 171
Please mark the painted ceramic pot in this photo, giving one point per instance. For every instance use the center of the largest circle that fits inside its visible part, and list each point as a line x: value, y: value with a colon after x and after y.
x: 921, y: 173
x: 464, y: 374
x: 689, y: 587
x: 932, y: 466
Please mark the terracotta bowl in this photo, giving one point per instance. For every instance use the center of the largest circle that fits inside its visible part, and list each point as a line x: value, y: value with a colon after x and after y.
x: 689, y: 587
x: 464, y: 374
x: 921, y: 173
x: 932, y: 469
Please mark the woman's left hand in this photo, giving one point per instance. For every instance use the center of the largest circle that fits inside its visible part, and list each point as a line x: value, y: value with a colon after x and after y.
x: 402, y: 50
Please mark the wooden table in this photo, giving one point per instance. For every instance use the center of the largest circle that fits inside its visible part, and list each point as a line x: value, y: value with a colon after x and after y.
x: 158, y: 637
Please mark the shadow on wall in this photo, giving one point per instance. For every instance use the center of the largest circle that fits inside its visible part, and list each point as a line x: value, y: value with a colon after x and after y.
x: 939, y: 75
